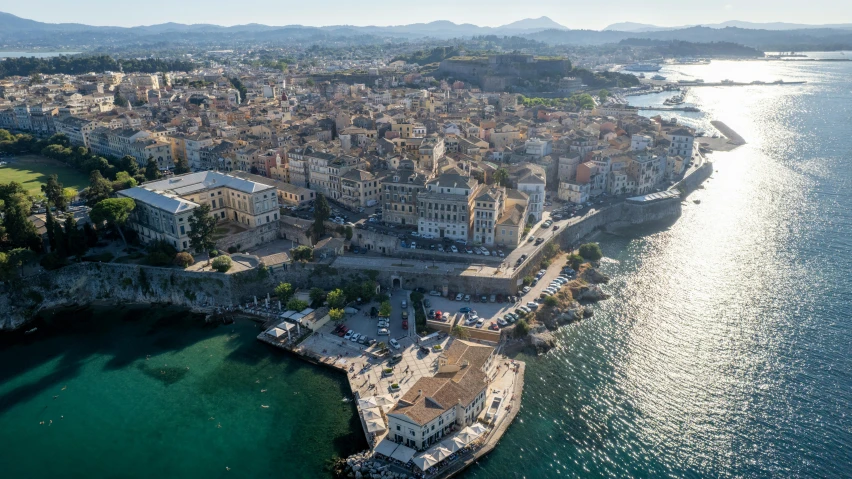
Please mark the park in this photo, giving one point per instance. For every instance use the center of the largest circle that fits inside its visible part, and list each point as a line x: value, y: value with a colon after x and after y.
x: 32, y: 171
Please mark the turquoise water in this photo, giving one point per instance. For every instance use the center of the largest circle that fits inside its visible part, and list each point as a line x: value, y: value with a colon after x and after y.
x: 192, y: 409
x: 725, y: 349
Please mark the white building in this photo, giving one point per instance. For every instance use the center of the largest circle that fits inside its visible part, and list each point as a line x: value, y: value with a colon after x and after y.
x: 163, y: 207
x: 537, y: 147
x: 573, y: 192
x: 641, y: 142
x: 682, y: 143
x: 446, y: 206
x: 455, y: 395
x: 533, y: 186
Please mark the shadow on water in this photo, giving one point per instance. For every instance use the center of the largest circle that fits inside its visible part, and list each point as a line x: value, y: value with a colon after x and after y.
x: 73, y: 336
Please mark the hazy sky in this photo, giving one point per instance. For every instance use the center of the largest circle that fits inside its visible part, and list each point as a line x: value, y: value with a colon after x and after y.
x: 571, y: 13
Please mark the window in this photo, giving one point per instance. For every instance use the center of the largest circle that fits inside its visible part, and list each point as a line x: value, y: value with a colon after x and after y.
x: 182, y: 231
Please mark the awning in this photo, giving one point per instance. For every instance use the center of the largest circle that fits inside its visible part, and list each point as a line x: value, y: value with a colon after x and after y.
x: 440, y: 453
x: 478, y: 429
x: 466, y: 436
x: 386, y: 447
x: 403, y: 454
x: 375, y: 425
x: 424, y: 462
x: 372, y: 413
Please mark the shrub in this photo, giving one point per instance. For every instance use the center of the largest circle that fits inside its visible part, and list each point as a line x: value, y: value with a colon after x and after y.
x: 550, y: 301
x: 336, y: 299
x: 296, y: 304
x: 222, y: 263
x: 591, y: 251
x: 232, y: 249
x: 184, y: 259
x: 52, y: 261
x: 575, y: 260
x: 317, y: 296
x: 522, y: 328
x: 158, y: 258
x: 545, y: 264
x: 337, y: 314
x: 213, y: 253
x: 528, y: 280
x: 302, y: 253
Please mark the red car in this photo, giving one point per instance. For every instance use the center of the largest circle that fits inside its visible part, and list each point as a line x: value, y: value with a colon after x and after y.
x: 342, y: 331
x: 493, y: 327
x: 438, y: 316
x: 404, y: 324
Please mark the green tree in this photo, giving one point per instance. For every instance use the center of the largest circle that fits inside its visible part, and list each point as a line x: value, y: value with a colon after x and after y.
x: 202, y: 225
x: 321, y: 214
x: 522, y: 328
x: 317, y: 296
x: 99, y: 188
x: 348, y: 233
x: 181, y: 166
x: 309, y: 82
x: 113, y: 211
x: 603, y: 95
x: 222, y: 263
x: 123, y: 181
x: 336, y: 299
x: 54, y: 192
x: 284, y: 291
x: 302, y: 253
x: 575, y: 260
x: 527, y: 280
x: 50, y: 229
x: 591, y: 251
x: 7, y: 269
x: 120, y: 101
x: 460, y: 332
x: 385, y: 309
x: 74, y: 238
x: 337, y: 315
x: 551, y: 301
x: 152, y: 171
x: 501, y: 177
x: 18, y: 230
x: 128, y: 163
x: 21, y: 257
x: 183, y: 259
x: 296, y: 305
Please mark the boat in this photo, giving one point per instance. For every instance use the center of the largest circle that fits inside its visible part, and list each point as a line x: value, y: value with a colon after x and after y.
x: 658, y: 77
x: 30, y: 331
x: 641, y: 75
x: 643, y: 67
x: 697, y: 202
x: 727, y: 82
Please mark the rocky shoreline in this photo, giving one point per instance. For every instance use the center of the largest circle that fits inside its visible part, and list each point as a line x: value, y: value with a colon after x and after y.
x: 362, y: 466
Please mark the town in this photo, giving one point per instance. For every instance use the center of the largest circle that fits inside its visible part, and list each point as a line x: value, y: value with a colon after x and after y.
x: 460, y: 206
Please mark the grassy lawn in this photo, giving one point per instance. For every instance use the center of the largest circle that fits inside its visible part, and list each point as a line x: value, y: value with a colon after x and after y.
x: 32, y: 172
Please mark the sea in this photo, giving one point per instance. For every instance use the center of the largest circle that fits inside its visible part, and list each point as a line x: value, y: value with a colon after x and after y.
x: 725, y: 350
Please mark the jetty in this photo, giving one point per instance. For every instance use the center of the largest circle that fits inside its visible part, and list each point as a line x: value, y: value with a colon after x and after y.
x: 380, y: 375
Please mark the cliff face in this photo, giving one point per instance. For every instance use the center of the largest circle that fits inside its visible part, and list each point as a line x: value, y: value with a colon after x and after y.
x: 84, y: 283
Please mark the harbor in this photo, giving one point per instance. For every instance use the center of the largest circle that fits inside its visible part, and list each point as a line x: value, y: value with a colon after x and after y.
x: 387, y: 380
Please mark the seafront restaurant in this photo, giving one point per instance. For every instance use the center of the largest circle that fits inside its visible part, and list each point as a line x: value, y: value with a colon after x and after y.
x: 435, y: 459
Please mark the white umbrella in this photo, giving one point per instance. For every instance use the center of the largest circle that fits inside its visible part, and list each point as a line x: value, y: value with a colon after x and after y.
x: 452, y: 445
x: 375, y: 425
x: 424, y: 462
x: 372, y: 413
x: 368, y: 403
x: 478, y: 429
x: 440, y: 453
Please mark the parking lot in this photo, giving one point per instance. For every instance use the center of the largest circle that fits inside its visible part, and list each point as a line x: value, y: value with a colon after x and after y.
x: 488, y: 311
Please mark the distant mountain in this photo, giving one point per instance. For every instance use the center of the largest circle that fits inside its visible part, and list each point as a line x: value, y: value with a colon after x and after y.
x: 775, y: 26
x: 540, y: 23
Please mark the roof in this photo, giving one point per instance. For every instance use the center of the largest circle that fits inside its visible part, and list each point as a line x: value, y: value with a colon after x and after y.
x: 512, y: 217
x: 358, y: 175
x: 195, y: 182
x: 166, y: 202
x: 452, y: 180
x: 429, y: 397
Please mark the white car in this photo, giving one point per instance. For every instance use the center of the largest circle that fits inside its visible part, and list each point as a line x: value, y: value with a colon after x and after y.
x: 532, y: 305
x: 454, y: 249
x: 467, y: 298
x: 404, y: 304
x: 415, y: 235
x: 480, y: 322
x: 384, y: 324
x: 434, y: 293
x: 413, y: 245
x: 502, y: 322
x: 348, y: 334
x: 355, y: 337
x: 526, y: 289
x: 394, y: 343
x: 440, y: 248
x: 382, y: 332
x: 459, y: 297
x: 485, y: 252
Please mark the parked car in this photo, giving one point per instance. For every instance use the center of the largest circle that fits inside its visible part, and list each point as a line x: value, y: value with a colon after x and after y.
x: 355, y: 337
x: 483, y: 299
x: 464, y: 310
x: 349, y: 334
x: 404, y: 304
x: 454, y: 249
x: 539, y: 241
x: 438, y: 316
x: 396, y: 357
x: 493, y: 298
x: 532, y: 305
x: 431, y: 314
x: 459, y: 297
x: 468, y: 250
x: 382, y: 332
x: 526, y: 289
x: 502, y: 322
x: 480, y: 322
x: 413, y: 245
x: 440, y: 248
x: 405, y: 323
x: 383, y: 323
x: 427, y: 303
x: 467, y: 298
x: 424, y: 350
x: 493, y: 326
x: 485, y: 252
x: 530, y: 239
x: 434, y: 293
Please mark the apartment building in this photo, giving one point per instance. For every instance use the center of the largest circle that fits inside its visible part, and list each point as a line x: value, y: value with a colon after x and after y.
x: 573, y: 192
x: 682, y: 142
x: 400, y: 191
x: 513, y: 220
x: 136, y: 143
x: 487, y: 208
x: 446, y: 206
x: 533, y: 185
x: 359, y: 188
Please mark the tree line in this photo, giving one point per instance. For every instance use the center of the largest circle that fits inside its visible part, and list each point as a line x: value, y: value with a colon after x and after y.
x: 77, y: 64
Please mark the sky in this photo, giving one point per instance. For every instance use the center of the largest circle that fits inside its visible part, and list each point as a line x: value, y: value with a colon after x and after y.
x: 571, y: 13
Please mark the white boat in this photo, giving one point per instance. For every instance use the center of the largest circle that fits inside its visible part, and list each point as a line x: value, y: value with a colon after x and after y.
x: 658, y: 77
x: 643, y: 67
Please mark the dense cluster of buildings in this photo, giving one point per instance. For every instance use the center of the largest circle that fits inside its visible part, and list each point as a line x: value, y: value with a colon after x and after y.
x: 444, y: 158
